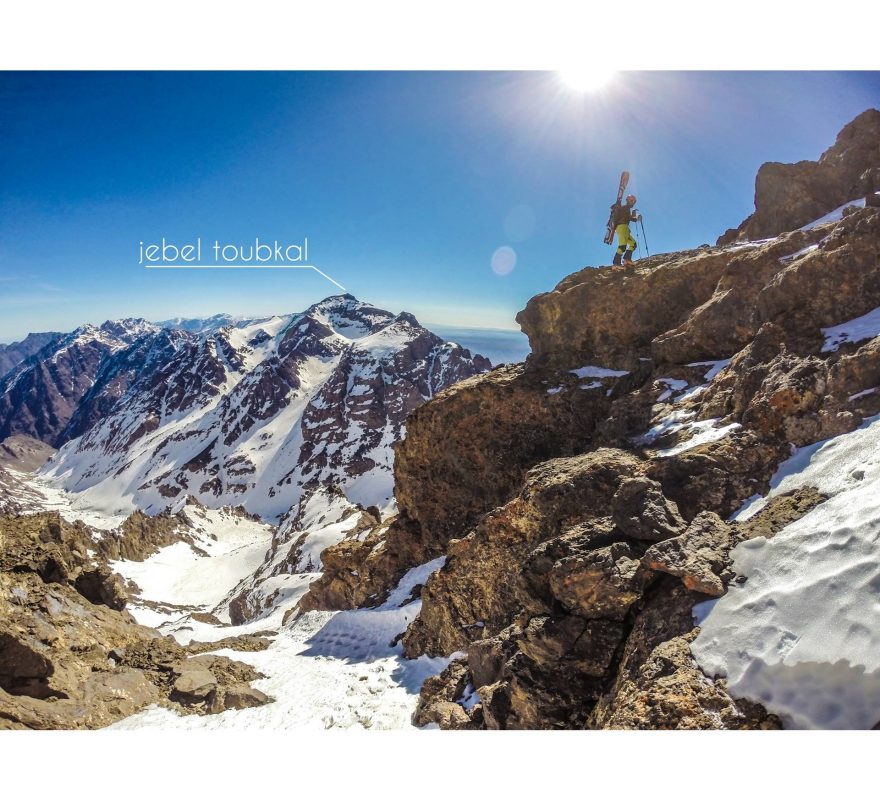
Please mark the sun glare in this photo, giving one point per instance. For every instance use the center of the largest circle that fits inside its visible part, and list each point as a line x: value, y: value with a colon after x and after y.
x: 586, y: 78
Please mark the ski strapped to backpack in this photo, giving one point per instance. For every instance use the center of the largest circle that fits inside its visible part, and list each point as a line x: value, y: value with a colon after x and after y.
x: 609, y: 232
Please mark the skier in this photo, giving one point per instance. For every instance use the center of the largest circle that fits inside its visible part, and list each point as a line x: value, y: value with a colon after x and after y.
x: 621, y: 216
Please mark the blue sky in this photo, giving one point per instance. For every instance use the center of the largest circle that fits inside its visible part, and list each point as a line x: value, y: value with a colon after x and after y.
x: 405, y: 183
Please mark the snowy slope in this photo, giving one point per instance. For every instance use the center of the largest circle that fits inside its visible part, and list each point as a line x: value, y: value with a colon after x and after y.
x: 324, y: 670
x: 802, y: 634
x: 225, y: 548
x: 210, y: 324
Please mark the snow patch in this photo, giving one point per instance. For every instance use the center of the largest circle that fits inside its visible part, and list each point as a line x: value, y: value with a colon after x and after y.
x: 325, y: 670
x: 596, y: 371
x: 703, y: 432
x: 864, y: 327
x: 836, y: 214
x: 801, y: 635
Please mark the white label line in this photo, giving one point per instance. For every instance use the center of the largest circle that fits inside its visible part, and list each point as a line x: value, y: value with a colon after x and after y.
x: 237, y: 265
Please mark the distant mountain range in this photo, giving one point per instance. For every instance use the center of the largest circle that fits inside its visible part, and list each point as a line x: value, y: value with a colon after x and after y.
x: 210, y: 324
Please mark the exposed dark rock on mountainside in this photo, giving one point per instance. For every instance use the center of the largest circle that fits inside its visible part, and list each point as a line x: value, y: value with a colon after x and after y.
x: 11, y: 354
x: 40, y: 395
x: 790, y: 195
x: 72, y: 657
x: 582, y: 500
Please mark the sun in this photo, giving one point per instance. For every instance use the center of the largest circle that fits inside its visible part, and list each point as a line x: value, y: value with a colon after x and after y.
x: 586, y: 78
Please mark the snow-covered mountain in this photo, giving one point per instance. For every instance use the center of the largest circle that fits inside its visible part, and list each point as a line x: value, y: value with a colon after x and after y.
x: 258, y: 415
x: 212, y: 323
x: 40, y: 396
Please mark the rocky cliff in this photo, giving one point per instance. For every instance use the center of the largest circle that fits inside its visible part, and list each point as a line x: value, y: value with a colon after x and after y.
x: 789, y: 195
x: 583, y: 500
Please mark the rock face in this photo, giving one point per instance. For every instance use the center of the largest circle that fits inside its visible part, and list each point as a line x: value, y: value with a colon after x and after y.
x: 582, y: 501
x: 788, y: 196
x: 72, y: 657
x: 580, y: 322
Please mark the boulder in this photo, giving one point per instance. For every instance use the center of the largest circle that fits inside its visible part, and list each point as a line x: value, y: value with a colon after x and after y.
x: 242, y: 696
x: 641, y: 511
x: 603, y: 583
x: 699, y: 556
x: 440, y: 696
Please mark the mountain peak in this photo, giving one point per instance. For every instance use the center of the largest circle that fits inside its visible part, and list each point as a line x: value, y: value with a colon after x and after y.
x: 345, y: 315
x: 127, y: 327
x: 408, y: 318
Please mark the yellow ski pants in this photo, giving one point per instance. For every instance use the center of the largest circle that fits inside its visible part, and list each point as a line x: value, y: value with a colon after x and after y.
x: 624, y: 239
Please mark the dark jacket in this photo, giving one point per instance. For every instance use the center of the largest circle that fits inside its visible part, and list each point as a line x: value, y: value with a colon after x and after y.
x: 622, y: 214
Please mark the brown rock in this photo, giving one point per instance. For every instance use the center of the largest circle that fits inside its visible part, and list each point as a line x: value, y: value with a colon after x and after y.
x: 658, y: 684
x: 69, y: 657
x: 193, y: 684
x: 778, y: 512
x: 788, y: 196
x: 580, y: 321
x: 440, y: 696
x: 642, y: 512
x: 601, y: 583
x: 479, y: 590
x: 699, y: 556
x: 241, y: 696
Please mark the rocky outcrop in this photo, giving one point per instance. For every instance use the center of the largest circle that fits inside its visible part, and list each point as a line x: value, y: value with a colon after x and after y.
x: 658, y: 684
x: 616, y: 653
x: 40, y: 396
x: 583, y: 500
x: 477, y: 592
x: 709, y: 303
x: 494, y: 428
x: 580, y: 321
x: 788, y: 196
x: 72, y: 657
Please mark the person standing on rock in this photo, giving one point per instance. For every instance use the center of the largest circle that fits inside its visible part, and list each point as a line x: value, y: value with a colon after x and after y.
x: 622, y: 216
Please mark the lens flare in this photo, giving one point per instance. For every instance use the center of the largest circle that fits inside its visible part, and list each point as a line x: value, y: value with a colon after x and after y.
x: 503, y: 260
